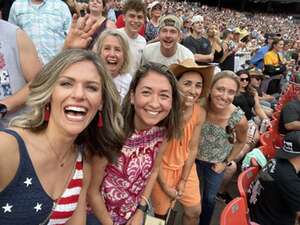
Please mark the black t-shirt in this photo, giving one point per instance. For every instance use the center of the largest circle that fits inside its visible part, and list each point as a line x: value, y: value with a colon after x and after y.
x: 198, y: 46
x: 274, y: 197
x: 246, y: 102
x: 289, y: 113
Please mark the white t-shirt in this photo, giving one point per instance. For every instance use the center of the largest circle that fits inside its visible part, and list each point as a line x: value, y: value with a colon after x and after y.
x: 136, y: 47
x: 152, y: 53
x: 122, y: 83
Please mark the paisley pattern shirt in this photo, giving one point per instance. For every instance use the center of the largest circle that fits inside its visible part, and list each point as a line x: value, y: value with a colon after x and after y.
x: 214, y: 144
x: 125, y: 181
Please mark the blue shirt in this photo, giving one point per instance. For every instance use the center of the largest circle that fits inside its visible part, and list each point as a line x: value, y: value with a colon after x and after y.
x: 47, y: 24
x: 258, y: 59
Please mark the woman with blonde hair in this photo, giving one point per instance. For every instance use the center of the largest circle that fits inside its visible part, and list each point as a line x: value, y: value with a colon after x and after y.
x: 44, y: 163
x: 223, y: 136
x: 113, y: 48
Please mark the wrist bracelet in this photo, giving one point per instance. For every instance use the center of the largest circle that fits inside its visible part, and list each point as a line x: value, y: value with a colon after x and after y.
x: 146, y: 200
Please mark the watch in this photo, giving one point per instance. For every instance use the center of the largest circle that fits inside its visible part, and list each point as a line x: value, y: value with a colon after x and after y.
x: 3, y: 110
x: 143, y: 208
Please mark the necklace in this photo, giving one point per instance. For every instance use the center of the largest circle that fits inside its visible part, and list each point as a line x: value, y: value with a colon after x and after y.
x: 61, y: 160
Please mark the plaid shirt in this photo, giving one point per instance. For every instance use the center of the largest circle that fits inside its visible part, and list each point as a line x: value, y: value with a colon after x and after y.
x: 47, y: 24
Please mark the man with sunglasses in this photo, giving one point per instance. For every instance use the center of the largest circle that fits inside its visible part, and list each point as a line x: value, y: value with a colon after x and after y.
x: 266, y: 101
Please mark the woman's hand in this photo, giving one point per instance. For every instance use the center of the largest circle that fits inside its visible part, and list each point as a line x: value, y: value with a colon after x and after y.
x: 180, y: 188
x: 137, y: 218
x: 171, y: 192
x: 218, y: 167
x: 79, y: 36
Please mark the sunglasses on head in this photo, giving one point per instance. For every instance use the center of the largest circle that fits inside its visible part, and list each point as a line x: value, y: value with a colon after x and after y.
x: 244, y: 79
x: 229, y: 131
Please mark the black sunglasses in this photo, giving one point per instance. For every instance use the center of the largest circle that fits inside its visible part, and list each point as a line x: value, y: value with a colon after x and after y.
x: 244, y: 79
x: 229, y: 131
x: 258, y: 78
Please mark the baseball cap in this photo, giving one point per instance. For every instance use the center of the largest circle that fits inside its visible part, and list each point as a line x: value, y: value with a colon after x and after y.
x: 197, y: 18
x: 291, y: 146
x: 170, y: 20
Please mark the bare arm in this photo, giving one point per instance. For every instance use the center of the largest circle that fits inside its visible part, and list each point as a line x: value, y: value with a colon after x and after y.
x: 94, y: 196
x: 9, y: 159
x: 79, y: 216
x: 30, y: 65
x: 295, y: 125
x: 204, y: 58
x: 258, y: 110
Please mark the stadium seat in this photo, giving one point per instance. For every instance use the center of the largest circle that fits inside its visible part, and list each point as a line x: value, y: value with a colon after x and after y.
x: 268, y: 150
x: 276, y: 136
x: 276, y: 115
x: 244, y: 180
x: 266, y: 138
x: 236, y: 213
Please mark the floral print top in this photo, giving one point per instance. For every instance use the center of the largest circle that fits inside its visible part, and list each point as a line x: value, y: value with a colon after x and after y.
x: 214, y: 145
x: 124, y: 182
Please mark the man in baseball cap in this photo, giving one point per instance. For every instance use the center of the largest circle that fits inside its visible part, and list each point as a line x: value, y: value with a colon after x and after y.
x: 275, y: 195
x: 167, y: 51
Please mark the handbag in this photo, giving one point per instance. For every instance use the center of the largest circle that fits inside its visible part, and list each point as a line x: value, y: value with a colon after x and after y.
x: 170, y: 218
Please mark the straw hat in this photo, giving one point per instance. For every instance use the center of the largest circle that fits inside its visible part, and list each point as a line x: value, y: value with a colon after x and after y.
x: 256, y: 73
x: 206, y: 71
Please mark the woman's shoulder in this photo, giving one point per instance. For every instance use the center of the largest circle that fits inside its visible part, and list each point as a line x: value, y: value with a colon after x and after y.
x: 236, y: 115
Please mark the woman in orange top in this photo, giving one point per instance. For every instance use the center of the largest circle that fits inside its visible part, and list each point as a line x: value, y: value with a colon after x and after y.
x: 178, y: 177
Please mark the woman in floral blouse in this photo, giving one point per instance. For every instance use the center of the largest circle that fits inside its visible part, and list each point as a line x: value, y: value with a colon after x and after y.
x: 151, y: 111
x: 223, y: 136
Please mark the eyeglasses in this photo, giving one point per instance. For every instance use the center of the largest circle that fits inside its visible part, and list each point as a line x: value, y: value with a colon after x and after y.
x: 244, y: 79
x: 229, y: 131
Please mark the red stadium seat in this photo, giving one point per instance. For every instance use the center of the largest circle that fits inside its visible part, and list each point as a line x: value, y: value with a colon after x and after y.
x: 236, y: 213
x: 266, y: 138
x: 268, y: 150
x: 276, y: 115
x: 244, y: 180
x: 277, y: 137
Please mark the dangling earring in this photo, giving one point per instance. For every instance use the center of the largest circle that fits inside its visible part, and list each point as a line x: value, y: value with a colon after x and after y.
x: 100, y: 120
x: 47, y: 113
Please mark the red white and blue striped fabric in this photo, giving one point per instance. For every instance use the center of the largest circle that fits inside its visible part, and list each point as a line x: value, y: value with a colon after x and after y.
x: 65, y: 206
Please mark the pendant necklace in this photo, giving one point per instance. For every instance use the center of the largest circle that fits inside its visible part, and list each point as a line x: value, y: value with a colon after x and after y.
x: 63, y: 159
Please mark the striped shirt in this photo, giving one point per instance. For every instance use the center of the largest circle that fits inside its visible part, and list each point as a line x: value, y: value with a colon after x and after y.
x: 64, y: 207
x: 47, y: 24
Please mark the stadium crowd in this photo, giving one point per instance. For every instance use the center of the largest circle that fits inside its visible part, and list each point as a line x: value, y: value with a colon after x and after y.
x: 112, y: 112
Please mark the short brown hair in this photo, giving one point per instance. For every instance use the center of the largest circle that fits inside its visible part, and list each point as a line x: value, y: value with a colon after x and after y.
x: 136, y: 5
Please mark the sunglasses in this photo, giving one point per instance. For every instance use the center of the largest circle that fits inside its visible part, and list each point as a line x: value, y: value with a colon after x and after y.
x: 258, y: 78
x: 244, y: 79
x: 229, y: 131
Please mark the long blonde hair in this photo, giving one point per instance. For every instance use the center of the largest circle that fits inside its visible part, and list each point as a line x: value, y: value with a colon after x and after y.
x: 106, y: 141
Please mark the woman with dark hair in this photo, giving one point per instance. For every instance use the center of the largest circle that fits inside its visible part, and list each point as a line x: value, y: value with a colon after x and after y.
x: 177, y: 177
x: 152, y: 110
x: 44, y: 169
x: 223, y: 136
x: 274, y: 67
x: 97, y: 13
x: 248, y: 101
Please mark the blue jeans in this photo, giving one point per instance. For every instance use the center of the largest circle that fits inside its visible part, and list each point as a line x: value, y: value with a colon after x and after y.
x: 210, y: 181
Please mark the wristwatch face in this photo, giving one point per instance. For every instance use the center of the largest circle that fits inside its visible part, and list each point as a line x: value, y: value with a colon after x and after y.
x: 142, y: 207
